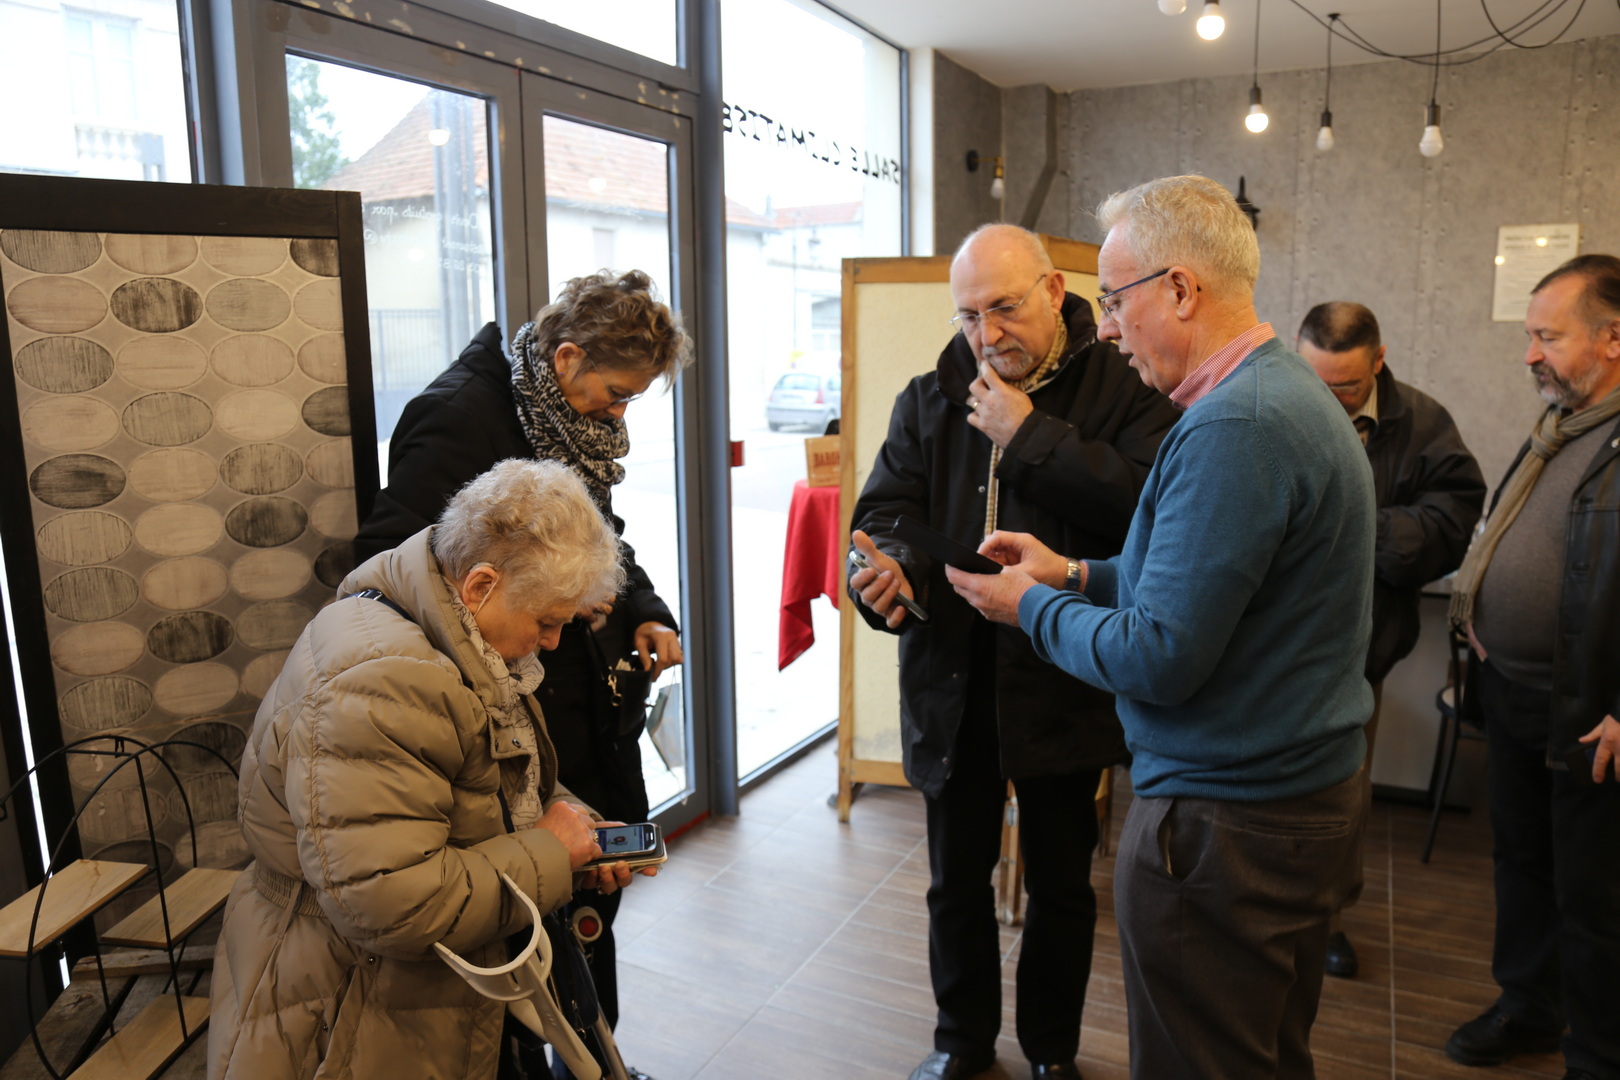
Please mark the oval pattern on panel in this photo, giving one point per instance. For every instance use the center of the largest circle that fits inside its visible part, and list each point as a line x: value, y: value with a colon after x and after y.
x: 252, y: 360
x: 261, y: 468
x: 84, y: 538
x: 334, y: 515
x: 267, y: 521
x: 244, y: 256
x: 162, y: 363
x: 196, y: 689
x: 327, y: 410
x: 63, y: 365
x: 256, y: 415
x: 317, y: 255
x: 50, y: 252
x: 142, y: 254
x: 320, y: 304
x: 249, y: 304
x: 69, y: 423
x: 334, y: 564
x: 104, y: 704
x: 262, y: 671
x: 98, y: 648
x: 167, y: 419
x: 183, y: 584
x: 156, y: 305
x: 223, y: 738
x: 76, y: 481
x: 116, y: 813
x: 323, y: 358
x: 332, y: 464
x: 179, y: 528
x: 269, y: 574
x: 274, y: 624
x: 212, y: 794
x: 91, y: 594
x: 173, y: 475
x: 190, y: 636
x: 57, y: 305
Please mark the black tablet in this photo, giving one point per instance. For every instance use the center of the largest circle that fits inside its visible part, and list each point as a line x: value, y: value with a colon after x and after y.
x: 936, y: 544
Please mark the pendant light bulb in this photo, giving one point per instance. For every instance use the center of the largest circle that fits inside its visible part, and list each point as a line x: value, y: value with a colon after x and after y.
x: 998, y: 188
x: 1172, y: 7
x: 1324, y: 134
x: 1211, y: 24
x: 1257, y: 120
x: 1432, y: 142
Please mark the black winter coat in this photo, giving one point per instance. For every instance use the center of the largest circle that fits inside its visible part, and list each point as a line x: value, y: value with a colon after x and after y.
x: 1430, y: 493
x: 1586, y: 652
x: 461, y: 425
x: 1070, y: 476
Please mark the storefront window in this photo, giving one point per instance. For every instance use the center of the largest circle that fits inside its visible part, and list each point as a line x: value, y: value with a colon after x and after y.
x: 642, y: 26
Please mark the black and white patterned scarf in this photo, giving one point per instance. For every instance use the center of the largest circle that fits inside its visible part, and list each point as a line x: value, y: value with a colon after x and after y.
x: 558, y: 433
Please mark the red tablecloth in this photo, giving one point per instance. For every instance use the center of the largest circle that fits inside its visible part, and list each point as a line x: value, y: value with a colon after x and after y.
x: 812, y: 566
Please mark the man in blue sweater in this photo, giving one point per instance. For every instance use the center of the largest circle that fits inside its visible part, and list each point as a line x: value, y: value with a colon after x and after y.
x: 1233, y: 628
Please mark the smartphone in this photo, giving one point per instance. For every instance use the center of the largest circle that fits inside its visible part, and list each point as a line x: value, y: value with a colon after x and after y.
x: 901, y: 598
x: 623, y: 841
x: 937, y: 544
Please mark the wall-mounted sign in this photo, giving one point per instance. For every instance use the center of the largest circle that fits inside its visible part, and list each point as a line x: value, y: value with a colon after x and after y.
x: 751, y: 124
x: 1524, y: 255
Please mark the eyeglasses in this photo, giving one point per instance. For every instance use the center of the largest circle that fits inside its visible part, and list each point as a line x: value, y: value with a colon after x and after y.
x: 615, y: 395
x: 1108, y: 309
x: 969, y: 321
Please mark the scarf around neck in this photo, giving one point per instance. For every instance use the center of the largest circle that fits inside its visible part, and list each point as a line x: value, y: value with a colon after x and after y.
x: 558, y: 433
x: 1041, y: 374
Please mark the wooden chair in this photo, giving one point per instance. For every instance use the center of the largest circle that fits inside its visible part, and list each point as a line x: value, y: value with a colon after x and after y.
x: 1459, y: 720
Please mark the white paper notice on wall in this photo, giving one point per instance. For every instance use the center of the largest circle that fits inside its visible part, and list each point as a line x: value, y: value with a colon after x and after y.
x: 1524, y: 255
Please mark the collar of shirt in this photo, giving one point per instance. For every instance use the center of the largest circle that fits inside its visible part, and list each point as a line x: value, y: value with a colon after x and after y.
x: 1370, y: 409
x: 1219, y: 364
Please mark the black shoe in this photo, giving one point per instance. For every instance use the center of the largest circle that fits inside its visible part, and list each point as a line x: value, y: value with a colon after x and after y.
x: 942, y: 1066
x: 1067, y: 1070
x: 1341, y: 956
x: 635, y: 1074
x: 1573, y: 1073
x: 1493, y: 1036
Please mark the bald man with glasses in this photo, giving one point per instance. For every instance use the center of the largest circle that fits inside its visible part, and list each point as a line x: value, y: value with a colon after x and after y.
x: 1027, y: 422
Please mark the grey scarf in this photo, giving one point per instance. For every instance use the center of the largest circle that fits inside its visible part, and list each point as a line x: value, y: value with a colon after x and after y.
x: 558, y: 433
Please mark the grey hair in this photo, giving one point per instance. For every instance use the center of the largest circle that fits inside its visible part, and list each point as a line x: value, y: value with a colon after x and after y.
x: 1021, y: 237
x: 535, y: 523
x: 1187, y: 221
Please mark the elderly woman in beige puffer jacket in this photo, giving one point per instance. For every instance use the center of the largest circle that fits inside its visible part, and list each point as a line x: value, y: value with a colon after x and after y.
x: 372, y: 795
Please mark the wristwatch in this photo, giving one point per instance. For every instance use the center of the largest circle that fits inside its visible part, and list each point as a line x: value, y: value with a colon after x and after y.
x: 1072, y: 582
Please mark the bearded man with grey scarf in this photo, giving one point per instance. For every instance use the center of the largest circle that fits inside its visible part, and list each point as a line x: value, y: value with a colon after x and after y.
x: 1539, y: 595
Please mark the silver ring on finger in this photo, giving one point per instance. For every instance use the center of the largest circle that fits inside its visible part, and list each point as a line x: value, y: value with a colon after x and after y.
x: 973, y: 403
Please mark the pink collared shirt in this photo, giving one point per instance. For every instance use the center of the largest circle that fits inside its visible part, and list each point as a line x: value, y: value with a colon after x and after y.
x: 1219, y: 364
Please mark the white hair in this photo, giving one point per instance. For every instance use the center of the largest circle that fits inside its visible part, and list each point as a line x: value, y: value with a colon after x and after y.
x: 1187, y: 221
x: 535, y: 523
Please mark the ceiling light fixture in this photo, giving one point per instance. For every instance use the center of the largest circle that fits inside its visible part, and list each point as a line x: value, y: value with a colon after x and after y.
x: 1211, y: 24
x: 1257, y: 120
x: 1172, y: 7
x: 1433, y: 142
x: 1324, y: 134
x: 998, y: 183
x: 438, y: 136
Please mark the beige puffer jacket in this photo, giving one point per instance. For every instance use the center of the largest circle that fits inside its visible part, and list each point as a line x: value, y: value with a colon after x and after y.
x: 370, y: 801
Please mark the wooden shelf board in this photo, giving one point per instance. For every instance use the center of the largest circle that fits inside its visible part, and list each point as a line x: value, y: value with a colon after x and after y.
x: 144, y: 1046
x: 194, y: 896
x: 121, y: 963
x: 77, y: 890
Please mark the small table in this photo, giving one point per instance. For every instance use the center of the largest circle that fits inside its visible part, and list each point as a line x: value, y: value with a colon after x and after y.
x: 812, y: 566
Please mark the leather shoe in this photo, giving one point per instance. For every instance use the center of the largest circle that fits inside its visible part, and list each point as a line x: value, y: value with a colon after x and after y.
x: 1066, y: 1070
x: 1493, y: 1036
x: 1341, y: 956
x: 944, y: 1066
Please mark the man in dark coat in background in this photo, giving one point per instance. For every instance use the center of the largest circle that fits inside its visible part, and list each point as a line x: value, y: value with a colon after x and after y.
x: 1430, y: 494
x: 1030, y: 423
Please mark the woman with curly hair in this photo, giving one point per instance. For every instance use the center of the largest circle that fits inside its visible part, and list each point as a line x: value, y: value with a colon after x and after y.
x: 559, y: 394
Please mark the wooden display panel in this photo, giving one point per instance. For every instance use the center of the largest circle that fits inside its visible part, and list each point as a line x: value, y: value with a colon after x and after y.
x: 196, y: 895
x: 75, y: 892
x: 896, y: 319
x: 144, y: 1046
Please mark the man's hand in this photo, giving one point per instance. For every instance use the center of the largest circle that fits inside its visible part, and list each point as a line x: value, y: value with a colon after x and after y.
x: 659, y: 646
x: 1473, y: 642
x: 879, y: 583
x: 1027, y: 555
x: 575, y: 828
x: 995, y: 595
x: 1607, y: 737
x: 995, y: 408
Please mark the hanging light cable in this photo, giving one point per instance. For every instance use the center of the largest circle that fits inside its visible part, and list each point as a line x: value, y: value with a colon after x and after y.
x: 1433, y: 142
x: 1257, y: 119
x: 1324, y: 134
x: 1211, y: 24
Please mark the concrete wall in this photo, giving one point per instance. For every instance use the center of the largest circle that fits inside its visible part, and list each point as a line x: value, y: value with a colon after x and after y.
x: 1530, y: 138
x: 967, y: 116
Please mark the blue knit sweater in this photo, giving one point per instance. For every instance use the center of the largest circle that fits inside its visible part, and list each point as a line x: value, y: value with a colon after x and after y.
x: 1234, y: 625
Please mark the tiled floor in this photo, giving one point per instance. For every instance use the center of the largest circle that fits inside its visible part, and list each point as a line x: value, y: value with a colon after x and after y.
x: 784, y: 945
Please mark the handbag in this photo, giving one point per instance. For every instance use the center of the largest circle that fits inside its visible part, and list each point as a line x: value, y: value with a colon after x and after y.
x: 624, y: 685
